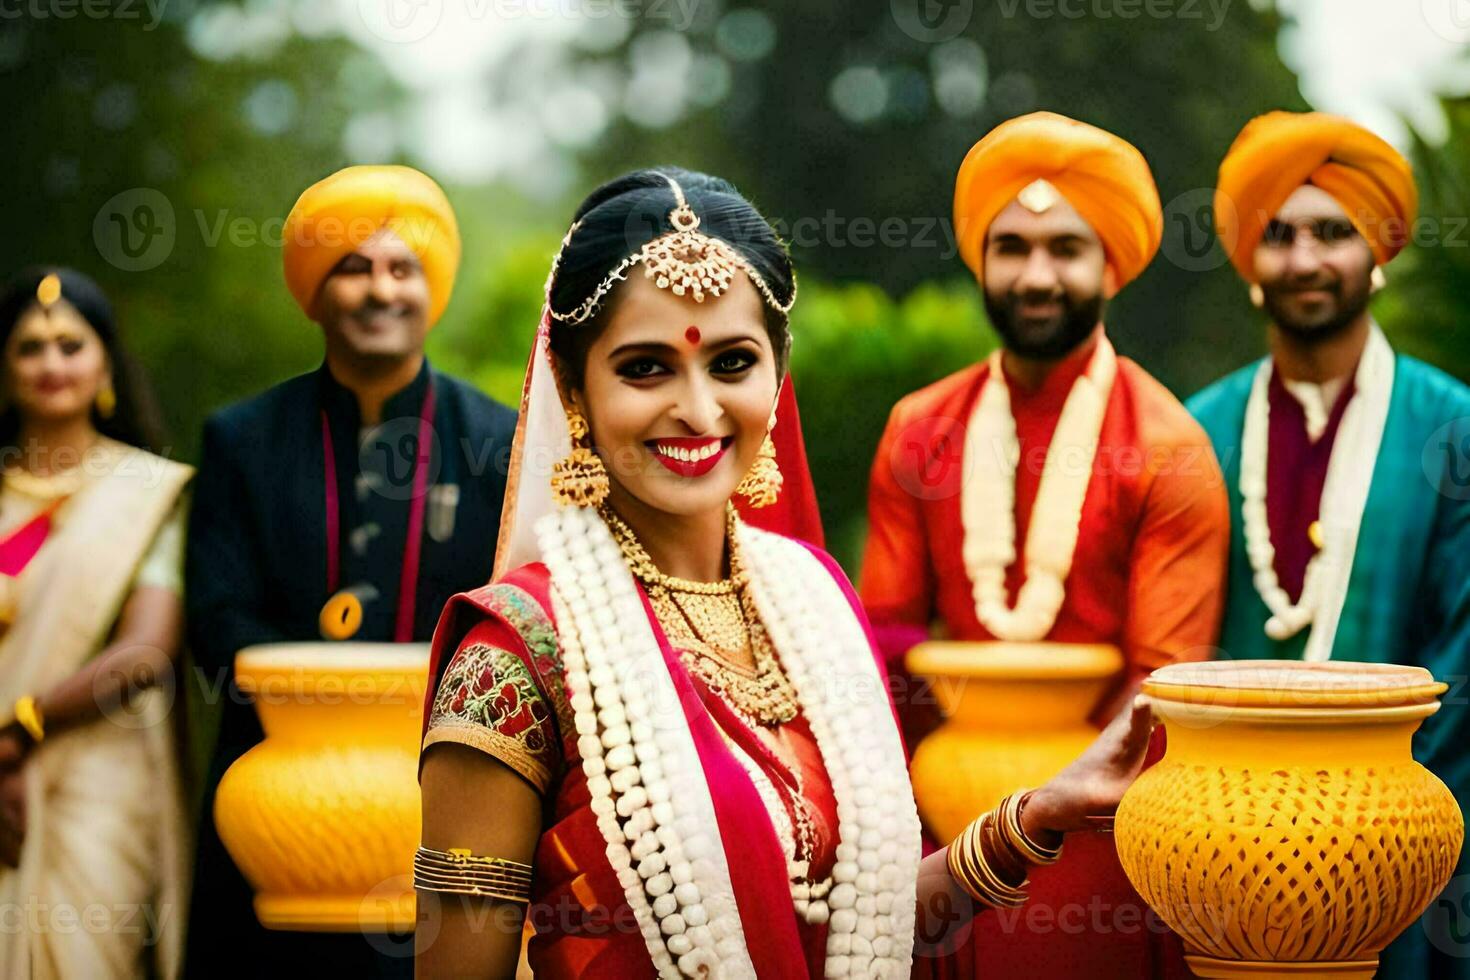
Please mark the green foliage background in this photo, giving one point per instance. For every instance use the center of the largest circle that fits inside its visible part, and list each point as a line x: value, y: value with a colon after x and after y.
x: 96, y: 106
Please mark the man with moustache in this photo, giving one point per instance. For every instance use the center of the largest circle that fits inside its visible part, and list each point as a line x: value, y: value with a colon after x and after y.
x: 348, y: 503
x: 1056, y: 451
x: 1348, y: 465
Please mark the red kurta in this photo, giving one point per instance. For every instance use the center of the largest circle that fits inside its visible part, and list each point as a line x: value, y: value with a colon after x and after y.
x: 1147, y: 576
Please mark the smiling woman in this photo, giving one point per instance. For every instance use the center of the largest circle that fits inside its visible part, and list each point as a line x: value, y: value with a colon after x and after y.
x: 679, y: 717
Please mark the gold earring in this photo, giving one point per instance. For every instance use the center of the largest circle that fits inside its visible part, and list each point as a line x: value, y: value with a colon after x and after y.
x: 1378, y: 280
x: 106, y: 401
x: 762, y: 484
x: 579, y: 480
x: 1258, y: 295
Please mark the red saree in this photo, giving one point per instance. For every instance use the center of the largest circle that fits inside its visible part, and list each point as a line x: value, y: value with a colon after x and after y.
x: 517, y: 710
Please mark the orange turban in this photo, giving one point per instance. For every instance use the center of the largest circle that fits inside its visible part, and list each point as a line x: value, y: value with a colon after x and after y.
x: 1104, y: 177
x: 1280, y: 151
x: 336, y: 215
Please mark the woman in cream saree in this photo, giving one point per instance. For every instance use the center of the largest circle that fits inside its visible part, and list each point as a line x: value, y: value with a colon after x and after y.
x: 91, y: 527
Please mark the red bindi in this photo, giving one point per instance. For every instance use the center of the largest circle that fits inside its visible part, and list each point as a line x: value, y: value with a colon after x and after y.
x: 692, y: 335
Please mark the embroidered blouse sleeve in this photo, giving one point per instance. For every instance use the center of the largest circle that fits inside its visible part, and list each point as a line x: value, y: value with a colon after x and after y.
x: 502, y: 694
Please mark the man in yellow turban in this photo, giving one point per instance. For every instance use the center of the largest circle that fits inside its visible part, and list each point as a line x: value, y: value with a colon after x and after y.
x: 349, y: 502
x: 1348, y: 464
x: 1052, y: 493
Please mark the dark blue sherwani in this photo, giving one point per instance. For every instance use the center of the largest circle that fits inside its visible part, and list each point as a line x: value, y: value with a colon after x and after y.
x: 256, y: 572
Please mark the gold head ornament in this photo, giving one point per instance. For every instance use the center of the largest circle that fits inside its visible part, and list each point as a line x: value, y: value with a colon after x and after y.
x: 685, y: 261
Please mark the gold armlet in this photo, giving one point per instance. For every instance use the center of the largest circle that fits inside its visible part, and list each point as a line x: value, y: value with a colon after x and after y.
x: 458, y: 872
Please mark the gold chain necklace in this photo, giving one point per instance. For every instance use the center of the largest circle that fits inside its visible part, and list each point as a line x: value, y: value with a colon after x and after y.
x: 712, y: 624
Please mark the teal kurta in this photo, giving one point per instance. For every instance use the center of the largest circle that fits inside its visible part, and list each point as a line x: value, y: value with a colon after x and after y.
x: 1408, y: 599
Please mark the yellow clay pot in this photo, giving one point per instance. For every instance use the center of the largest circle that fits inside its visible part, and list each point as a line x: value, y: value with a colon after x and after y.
x: 322, y: 817
x: 1288, y: 830
x: 1015, y: 715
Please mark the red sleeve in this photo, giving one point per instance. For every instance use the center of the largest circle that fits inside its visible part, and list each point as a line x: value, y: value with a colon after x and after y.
x: 897, y: 580
x: 502, y: 691
x: 1176, y: 587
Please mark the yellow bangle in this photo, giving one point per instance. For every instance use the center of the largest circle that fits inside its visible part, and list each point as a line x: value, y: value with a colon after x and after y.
x: 28, y: 715
x: 1015, y: 835
x: 972, y: 872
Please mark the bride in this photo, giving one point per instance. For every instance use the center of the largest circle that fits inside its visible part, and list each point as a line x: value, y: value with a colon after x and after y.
x: 662, y: 737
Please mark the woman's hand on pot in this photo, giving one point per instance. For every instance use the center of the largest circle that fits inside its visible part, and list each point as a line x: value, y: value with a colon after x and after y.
x: 1096, y: 780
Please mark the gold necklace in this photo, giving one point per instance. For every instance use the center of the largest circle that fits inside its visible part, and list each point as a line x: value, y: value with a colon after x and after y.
x: 714, y: 625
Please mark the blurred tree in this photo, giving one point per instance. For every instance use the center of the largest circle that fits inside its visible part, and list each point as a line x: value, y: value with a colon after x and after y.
x: 165, y: 174
x: 842, y: 118
x: 1426, y: 308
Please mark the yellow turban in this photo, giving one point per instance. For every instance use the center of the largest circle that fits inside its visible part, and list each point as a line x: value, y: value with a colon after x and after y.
x: 336, y: 215
x: 1280, y: 151
x: 1104, y: 177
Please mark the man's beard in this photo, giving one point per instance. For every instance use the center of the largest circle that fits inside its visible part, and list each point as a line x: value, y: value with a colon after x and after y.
x: 1049, y: 339
x: 1350, y: 305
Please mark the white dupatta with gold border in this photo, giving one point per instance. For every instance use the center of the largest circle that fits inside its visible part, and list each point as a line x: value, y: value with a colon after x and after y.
x: 102, y: 878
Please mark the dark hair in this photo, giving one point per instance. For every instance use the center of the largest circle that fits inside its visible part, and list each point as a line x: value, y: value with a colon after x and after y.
x: 135, y: 420
x: 624, y: 214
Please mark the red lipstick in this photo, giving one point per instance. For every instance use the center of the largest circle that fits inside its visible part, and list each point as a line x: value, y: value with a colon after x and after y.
x: 689, y: 456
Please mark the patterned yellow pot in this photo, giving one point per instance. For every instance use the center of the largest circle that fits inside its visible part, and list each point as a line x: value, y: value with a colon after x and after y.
x: 1288, y: 830
x: 322, y: 817
x: 1015, y: 715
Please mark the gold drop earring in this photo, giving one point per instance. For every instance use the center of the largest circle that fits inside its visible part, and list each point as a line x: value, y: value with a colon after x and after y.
x: 1377, y: 280
x: 762, y: 484
x: 106, y: 400
x: 1258, y: 295
x: 580, y: 479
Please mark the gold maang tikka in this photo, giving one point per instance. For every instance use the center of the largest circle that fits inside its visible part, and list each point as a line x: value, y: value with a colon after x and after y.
x: 685, y: 261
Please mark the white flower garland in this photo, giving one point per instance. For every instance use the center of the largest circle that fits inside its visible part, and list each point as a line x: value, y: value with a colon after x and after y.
x: 1344, y: 492
x: 844, y: 700
x: 648, y: 789
x: 988, y: 501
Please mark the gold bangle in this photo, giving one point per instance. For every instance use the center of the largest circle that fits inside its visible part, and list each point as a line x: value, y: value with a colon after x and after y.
x: 972, y: 872
x: 458, y: 872
x: 1009, y: 894
x: 28, y: 715
x: 1015, y: 835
